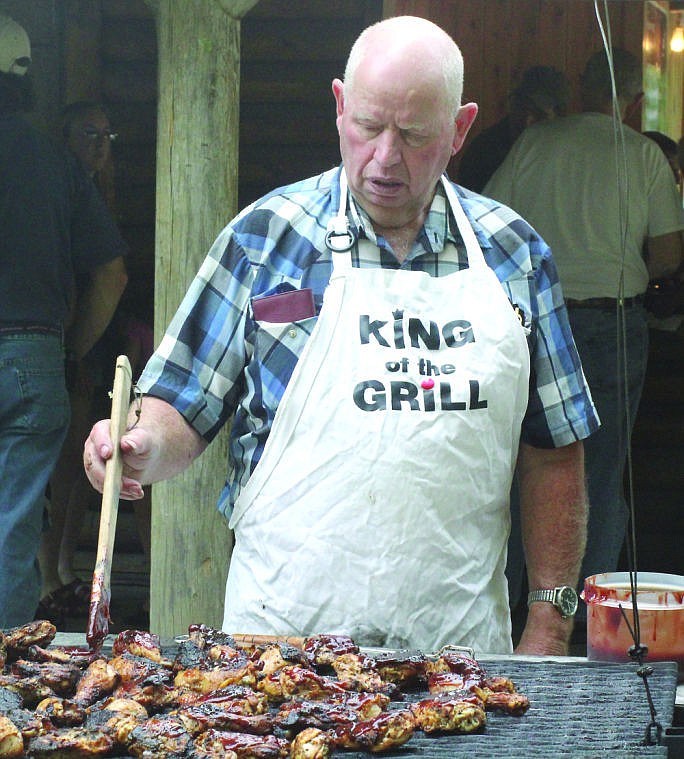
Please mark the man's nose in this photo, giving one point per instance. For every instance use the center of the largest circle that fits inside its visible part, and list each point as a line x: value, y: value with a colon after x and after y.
x: 388, y: 148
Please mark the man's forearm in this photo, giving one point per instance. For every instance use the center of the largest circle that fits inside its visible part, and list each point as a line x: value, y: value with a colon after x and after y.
x: 553, y: 511
x: 96, y: 306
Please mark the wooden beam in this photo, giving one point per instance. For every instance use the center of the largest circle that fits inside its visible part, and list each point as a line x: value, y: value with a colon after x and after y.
x: 197, y: 170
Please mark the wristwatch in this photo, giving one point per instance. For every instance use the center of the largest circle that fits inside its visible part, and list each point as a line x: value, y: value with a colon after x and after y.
x: 564, y: 598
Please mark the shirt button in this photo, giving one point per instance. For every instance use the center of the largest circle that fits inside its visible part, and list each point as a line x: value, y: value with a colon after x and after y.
x: 292, y: 333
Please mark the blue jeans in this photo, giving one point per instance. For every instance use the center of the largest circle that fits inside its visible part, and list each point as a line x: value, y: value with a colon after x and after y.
x: 605, y: 452
x: 34, y: 417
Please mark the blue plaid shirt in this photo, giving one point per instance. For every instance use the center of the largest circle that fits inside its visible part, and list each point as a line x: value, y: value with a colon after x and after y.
x: 216, y: 360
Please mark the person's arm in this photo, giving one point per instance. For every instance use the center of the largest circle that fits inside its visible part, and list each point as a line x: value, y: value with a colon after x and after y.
x: 553, y: 510
x: 96, y: 305
x: 664, y: 255
x: 159, y: 443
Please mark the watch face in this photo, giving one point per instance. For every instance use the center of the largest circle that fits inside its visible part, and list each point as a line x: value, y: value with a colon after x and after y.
x: 567, y: 601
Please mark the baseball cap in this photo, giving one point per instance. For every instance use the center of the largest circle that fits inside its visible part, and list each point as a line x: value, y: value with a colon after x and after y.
x: 15, y: 47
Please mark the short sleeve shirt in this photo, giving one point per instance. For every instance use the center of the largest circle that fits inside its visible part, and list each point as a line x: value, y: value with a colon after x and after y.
x: 214, y: 362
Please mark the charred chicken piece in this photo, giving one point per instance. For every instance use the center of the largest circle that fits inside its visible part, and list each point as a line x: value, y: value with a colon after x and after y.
x: 18, y: 640
x: 9, y: 699
x: 206, y: 637
x: 138, y: 643
x: 206, y: 680
x: 290, y: 682
x: 403, y: 668
x: 236, y: 698
x: 208, y: 715
x: 312, y: 743
x: 31, y: 689
x: 327, y: 714
x: 212, y: 742
x: 70, y: 742
x: 99, y: 680
x: 190, y: 656
x: 81, y: 657
x: 322, y: 649
x: 159, y: 736
x: 29, y: 723
x: 61, y: 678
x: 61, y: 712
x: 11, y: 739
x: 382, y: 733
x: 449, y: 715
x: 358, y: 672
x: 117, y: 717
x: 281, y: 655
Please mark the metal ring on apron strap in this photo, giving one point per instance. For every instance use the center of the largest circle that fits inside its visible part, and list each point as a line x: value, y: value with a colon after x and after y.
x: 339, y: 236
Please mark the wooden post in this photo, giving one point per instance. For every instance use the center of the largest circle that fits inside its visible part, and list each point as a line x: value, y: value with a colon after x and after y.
x: 197, y: 168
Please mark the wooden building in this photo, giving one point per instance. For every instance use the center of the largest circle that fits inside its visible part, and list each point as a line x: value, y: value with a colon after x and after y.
x: 217, y: 101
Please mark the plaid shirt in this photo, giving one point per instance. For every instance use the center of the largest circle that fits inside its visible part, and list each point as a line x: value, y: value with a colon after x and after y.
x: 216, y: 360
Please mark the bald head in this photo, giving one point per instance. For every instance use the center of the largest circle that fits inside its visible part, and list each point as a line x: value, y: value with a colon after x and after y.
x: 420, y: 46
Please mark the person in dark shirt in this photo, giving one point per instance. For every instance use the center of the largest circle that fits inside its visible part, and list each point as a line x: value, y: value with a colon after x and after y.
x: 542, y: 94
x: 54, y: 226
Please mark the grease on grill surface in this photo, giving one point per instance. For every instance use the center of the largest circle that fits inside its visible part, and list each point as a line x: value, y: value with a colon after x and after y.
x: 209, y: 697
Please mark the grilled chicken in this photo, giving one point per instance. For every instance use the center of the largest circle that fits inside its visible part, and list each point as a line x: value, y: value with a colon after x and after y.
x: 382, y: 733
x: 219, y: 743
x: 99, y: 680
x: 207, y: 680
x: 18, y: 640
x: 290, y: 682
x: 61, y: 712
x: 70, y: 742
x: 117, y: 717
x: 358, y: 672
x: 340, y: 709
x: 61, y: 678
x: 312, y: 743
x: 403, y: 668
x: 322, y: 649
x: 449, y: 715
x: 11, y: 739
x: 30, y: 689
x: 281, y: 655
x: 138, y: 643
x: 211, y: 715
x: 159, y: 736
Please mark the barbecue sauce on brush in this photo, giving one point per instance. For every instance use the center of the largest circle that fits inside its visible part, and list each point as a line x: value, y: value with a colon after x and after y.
x: 98, y: 619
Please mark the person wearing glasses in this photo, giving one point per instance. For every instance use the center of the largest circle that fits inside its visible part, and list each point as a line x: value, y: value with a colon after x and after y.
x: 87, y: 133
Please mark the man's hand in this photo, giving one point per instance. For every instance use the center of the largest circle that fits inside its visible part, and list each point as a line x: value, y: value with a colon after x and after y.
x: 158, y: 444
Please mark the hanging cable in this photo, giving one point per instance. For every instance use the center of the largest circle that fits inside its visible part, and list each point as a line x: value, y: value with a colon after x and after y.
x: 653, y: 734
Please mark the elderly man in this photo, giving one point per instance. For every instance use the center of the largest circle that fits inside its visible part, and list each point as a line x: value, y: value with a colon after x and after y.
x: 373, y: 330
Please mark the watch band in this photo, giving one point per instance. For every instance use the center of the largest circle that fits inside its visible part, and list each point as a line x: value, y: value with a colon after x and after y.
x: 545, y: 594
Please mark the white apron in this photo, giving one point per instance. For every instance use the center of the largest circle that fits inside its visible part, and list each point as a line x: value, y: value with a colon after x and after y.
x: 379, y: 508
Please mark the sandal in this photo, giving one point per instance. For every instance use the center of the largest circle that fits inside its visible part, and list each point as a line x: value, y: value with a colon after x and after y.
x: 71, y: 600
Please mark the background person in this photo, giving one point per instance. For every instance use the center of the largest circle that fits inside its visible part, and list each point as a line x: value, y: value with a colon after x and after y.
x: 54, y: 227
x: 378, y: 398
x: 597, y: 216
x: 543, y: 93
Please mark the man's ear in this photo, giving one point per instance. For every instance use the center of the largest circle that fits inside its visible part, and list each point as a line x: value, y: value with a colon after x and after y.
x: 338, y: 92
x: 464, y: 120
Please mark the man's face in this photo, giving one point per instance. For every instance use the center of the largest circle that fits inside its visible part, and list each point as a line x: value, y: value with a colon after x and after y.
x: 89, y: 140
x: 396, y: 138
